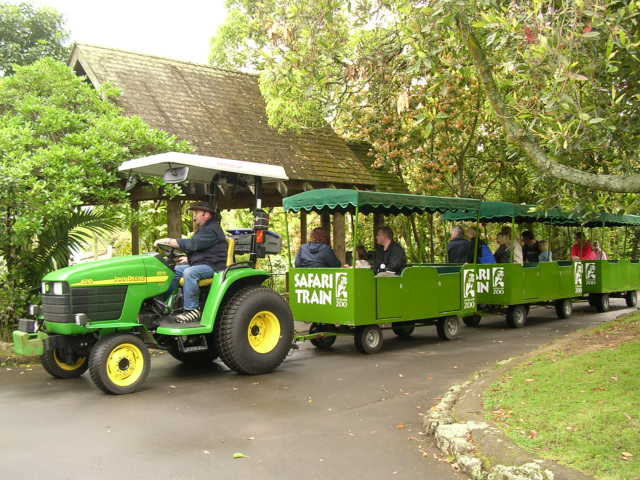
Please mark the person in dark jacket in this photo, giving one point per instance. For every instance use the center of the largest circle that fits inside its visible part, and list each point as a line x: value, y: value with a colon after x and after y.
x: 317, y: 253
x: 206, y: 254
x: 484, y: 255
x: 459, y: 247
x: 389, y: 256
x: 530, y: 247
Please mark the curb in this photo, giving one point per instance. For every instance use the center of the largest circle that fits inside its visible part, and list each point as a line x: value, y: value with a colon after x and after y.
x: 479, y: 449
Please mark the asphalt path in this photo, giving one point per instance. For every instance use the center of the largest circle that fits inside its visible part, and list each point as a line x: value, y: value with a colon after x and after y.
x: 321, y: 415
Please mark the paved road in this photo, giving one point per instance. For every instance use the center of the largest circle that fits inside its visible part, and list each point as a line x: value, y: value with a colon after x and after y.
x: 322, y: 415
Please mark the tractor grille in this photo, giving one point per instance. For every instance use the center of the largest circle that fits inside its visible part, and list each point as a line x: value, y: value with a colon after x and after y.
x: 98, y: 303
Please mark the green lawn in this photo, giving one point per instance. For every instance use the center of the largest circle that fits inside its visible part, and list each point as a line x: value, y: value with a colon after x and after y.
x: 581, y: 409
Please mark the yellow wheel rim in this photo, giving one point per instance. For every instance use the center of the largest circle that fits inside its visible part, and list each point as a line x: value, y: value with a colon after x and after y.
x: 69, y: 367
x: 264, y: 331
x: 125, y: 364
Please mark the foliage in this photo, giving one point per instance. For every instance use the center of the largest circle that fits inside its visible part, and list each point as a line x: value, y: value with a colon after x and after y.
x: 28, y: 33
x: 60, y: 144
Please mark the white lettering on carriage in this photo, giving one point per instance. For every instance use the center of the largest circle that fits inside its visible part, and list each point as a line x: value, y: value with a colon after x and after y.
x: 469, y: 289
x: 497, y: 283
x: 318, y: 288
x: 578, y: 276
x: 590, y: 275
x: 484, y: 279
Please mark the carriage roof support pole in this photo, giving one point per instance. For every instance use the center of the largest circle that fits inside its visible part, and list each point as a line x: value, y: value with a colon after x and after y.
x: 286, y: 227
x: 513, y: 240
x: 303, y: 227
x: 355, y: 220
x: 433, y: 252
x: 624, y: 244
x: 477, y: 239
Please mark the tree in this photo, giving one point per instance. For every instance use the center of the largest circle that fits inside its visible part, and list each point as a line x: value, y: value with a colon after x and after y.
x: 61, y: 142
x: 557, y: 79
x: 28, y: 34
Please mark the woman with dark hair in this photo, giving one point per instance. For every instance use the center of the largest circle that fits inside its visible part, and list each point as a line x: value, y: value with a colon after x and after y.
x: 317, y: 253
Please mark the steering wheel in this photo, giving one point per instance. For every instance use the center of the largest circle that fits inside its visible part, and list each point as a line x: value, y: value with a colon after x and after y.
x: 171, y: 253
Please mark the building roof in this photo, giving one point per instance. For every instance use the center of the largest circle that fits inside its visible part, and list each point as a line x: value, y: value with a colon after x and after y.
x: 222, y: 114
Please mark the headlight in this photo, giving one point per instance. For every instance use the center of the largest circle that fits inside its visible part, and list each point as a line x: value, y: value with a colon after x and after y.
x: 58, y: 288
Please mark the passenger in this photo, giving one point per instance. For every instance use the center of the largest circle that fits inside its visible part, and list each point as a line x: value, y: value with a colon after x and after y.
x: 545, y: 254
x: 390, y: 256
x: 317, y: 253
x: 207, y: 254
x: 512, y: 244
x: 600, y: 253
x: 484, y: 255
x: 503, y: 253
x: 459, y: 247
x: 582, y: 249
x: 363, y: 257
x: 530, y: 248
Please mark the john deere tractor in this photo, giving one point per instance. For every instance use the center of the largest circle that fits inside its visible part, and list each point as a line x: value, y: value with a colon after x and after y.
x: 105, y: 315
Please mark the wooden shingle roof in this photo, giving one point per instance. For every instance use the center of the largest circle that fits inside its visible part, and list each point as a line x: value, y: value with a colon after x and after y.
x: 222, y: 114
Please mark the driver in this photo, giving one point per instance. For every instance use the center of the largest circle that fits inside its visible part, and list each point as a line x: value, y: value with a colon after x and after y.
x: 207, y: 254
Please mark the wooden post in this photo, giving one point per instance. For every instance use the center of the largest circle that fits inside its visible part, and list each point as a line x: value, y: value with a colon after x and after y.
x: 174, y: 218
x: 325, y: 221
x: 135, y: 229
x: 303, y: 227
x: 378, y: 221
x: 339, y: 237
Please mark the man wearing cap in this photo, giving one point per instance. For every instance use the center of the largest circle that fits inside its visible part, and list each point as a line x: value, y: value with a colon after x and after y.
x: 206, y: 254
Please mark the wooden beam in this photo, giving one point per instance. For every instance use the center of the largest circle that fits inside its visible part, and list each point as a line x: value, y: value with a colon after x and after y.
x: 378, y: 221
x: 174, y: 218
x: 135, y: 229
x: 339, y: 236
x: 325, y: 222
x: 303, y: 227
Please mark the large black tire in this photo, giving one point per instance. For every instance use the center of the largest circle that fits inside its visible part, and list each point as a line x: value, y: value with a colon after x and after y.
x: 255, y: 332
x: 321, y: 343
x: 472, y: 321
x: 564, y: 308
x: 631, y: 297
x: 601, y: 302
x: 196, y: 359
x: 403, y: 331
x: 119, y: 363
x: 368, y: 339
x: 448, y: 327
x: 516, y: 316
x: 59, y: 369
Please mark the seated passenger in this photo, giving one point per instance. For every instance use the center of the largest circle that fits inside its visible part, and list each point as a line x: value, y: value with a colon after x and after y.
x: 582, y: 250
x: 600, y: 253
x: 530, y: 247
x: 512, y: 245
x: 390, y: 256
x: 503, y: 253
x: 545, y: 254
x: 363, y: 257
x: 458, y: 247
x: 206, y: 254
x: 484, y: 255
x: 317, y: 253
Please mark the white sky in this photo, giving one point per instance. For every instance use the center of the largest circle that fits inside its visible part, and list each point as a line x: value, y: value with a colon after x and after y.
x: 179, y: 29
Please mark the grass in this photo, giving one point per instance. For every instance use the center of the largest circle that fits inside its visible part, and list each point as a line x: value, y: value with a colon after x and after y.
x: 579, y: 403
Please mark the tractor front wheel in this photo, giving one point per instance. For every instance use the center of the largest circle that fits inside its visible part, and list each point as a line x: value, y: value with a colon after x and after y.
x: 52, y: 363
x: 255, y: 331
x: 119, y: 363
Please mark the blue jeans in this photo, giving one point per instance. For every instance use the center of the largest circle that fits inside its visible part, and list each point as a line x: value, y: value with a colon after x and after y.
x: 191, y: 290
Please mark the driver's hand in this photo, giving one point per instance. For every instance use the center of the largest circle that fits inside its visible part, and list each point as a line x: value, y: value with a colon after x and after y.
x: 182, y: 260
x: 166, y: 241
x: 160, y: 241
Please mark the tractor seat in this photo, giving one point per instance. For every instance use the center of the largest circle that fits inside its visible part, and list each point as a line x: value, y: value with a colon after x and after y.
x: 205, y: 282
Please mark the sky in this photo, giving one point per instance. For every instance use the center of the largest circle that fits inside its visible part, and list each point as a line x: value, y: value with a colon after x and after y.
x: 176, y: 29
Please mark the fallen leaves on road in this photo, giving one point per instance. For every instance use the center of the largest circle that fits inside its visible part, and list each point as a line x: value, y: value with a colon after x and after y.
x: 627, y: 455
x: 529, y: 379
x: 401, y: 426
x: 239, y: 455
x: 533, y: 434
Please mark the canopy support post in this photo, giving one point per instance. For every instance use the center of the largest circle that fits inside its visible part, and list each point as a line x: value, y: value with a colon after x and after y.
x: 432, y: 248
x: 354, y: 220
x: 303, y: 227
x: 476, y: 240
x: 624, y: 243
x: 286, y: 228
x: 325, y: 222
x: 378, y: 221
x: 339, y: 236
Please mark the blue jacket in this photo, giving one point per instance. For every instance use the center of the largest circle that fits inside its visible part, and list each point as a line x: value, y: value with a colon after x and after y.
x: 316, y: 255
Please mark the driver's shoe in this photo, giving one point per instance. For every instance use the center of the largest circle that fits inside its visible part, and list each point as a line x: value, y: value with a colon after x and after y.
x: 188, y: 316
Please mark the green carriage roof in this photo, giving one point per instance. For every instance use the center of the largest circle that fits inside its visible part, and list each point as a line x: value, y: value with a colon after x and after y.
x: 330, y: 200
x: 496, y: 212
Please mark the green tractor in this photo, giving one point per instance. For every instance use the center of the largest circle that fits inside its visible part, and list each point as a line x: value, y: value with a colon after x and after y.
x: 105, y: 315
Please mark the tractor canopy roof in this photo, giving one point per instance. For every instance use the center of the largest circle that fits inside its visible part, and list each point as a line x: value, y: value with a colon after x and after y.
x: 202, y: 169
x: 331, y: 200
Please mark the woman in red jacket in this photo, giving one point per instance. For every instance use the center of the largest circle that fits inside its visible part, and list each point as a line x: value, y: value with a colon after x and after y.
x: 582, y: 249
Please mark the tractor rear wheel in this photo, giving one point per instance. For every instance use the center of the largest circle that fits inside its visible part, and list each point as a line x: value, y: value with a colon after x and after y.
x: 119, y: 363
x: 196, y: 359
x: 516, y: 316
x: 368, y: 339
x: 448, y: 327
x: 324, y: 342
x: 52, y: 363
x: 255, y: 331
x: 631, y: 297
x: 564, y: 308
